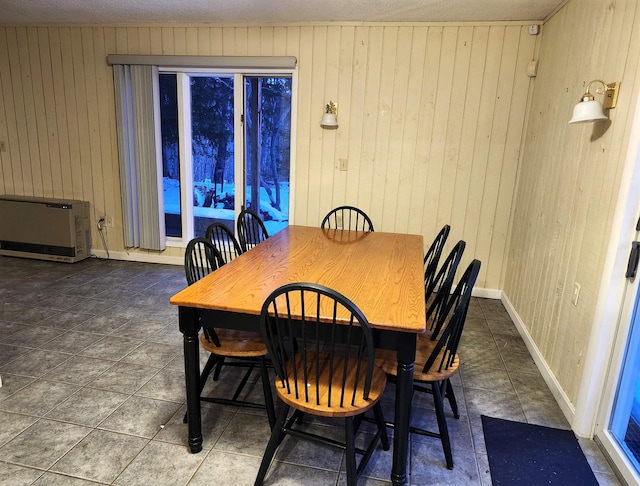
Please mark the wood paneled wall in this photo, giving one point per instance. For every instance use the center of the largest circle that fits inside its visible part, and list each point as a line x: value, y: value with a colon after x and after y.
x: 431, y: 119
x: 570, y: 175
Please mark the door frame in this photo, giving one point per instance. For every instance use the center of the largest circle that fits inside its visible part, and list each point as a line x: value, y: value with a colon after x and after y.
x: 613, y: 313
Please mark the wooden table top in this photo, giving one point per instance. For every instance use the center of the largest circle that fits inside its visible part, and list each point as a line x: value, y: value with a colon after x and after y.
x: 382, y: 273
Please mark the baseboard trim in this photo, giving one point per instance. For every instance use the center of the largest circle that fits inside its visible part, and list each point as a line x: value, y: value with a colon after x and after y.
x: 486, y: 293
x: 568, y: 409
x: 139, y: 257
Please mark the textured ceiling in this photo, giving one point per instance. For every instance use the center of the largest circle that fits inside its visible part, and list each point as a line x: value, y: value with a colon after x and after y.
x: 269, y: 11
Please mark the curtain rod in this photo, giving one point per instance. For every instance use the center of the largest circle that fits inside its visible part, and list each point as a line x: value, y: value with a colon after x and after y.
x: 257, y: 62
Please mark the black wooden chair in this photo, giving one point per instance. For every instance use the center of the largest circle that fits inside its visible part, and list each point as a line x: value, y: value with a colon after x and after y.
x: 222, y: 237
x: 439, y: 288
x: 436, y: 356
x: 200, y: 259
x: 247, y: 348
x: 432, y: 256
x: 322, y: 350
x: 347, y: 218
x: 224, y: 241
x: 437, y: 294
x: 251, y: 229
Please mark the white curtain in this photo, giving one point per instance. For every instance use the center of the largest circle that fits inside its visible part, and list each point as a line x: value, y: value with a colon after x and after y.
x: 137, y: 106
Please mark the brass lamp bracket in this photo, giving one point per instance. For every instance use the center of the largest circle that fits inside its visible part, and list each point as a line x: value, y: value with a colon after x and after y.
x: 610, y: 92
x: 331, y: 107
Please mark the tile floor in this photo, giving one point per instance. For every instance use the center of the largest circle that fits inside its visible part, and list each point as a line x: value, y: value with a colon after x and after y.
x: 93, y: 392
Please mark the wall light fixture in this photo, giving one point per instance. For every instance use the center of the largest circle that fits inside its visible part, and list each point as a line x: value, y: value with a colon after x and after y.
x: 330, y: 117
x: 590, y: 110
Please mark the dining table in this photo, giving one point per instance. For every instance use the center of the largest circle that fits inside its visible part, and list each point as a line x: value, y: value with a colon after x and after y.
x: 382, y: 273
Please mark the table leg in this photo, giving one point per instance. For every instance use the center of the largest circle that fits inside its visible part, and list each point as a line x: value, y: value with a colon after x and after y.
x: 189, y: 328
x: 406, y: 352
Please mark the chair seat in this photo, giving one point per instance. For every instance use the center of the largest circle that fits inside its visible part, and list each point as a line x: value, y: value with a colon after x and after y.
x: 386, y: 359
x: 236, y: 344
x: 317, y: 400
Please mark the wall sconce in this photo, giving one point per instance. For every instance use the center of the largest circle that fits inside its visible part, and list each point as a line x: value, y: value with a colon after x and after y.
x: 330, y: 117
x: 590, y: 110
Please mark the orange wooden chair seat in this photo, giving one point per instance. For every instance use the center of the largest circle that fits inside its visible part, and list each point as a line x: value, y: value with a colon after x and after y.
x: 315, y: 396
x: 236, y: 344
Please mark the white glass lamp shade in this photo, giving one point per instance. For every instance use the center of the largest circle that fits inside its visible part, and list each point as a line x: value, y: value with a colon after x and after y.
x: 587, y: 111
x: 329, y: 120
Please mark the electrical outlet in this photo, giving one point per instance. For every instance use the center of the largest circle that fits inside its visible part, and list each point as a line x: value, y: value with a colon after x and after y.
x: 104, y: 222
x: 3, y: 146
x: 343, y: 164
x: 339, y: 219
x: 576, y: 293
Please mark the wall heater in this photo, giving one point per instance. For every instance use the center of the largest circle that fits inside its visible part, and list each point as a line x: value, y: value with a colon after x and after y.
x: 46, y: 229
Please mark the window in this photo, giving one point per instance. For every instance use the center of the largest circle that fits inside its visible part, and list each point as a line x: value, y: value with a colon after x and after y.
x: 226, y: 145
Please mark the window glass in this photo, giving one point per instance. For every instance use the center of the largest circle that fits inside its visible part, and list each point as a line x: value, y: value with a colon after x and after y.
x: 170, y: 154
x: 209, y: 156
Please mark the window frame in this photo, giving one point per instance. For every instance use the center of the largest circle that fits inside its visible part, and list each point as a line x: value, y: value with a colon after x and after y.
x: 184, y: 146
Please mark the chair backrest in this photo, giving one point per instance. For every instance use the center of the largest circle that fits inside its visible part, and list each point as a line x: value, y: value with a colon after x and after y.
x: 437, y: 293
x: 222, y: 237
x: 330, y: 363
x: 348, y: 218
x: 449, y: 328
x: 251, y: 229
x: 200, y: 259
x: 432, y: 257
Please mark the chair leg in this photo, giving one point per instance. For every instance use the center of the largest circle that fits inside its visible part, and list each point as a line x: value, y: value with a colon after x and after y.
x: 277, y: 434
x: 243, y: 382
x: 357, y: 421
x: 216, y: 373
x: 211, y: 362
x: 382, y: 426
x: 438, y: 402
x: 380, y: 435
x: 350, y: 453
x: 452, y: 400
x: 268, y: 395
